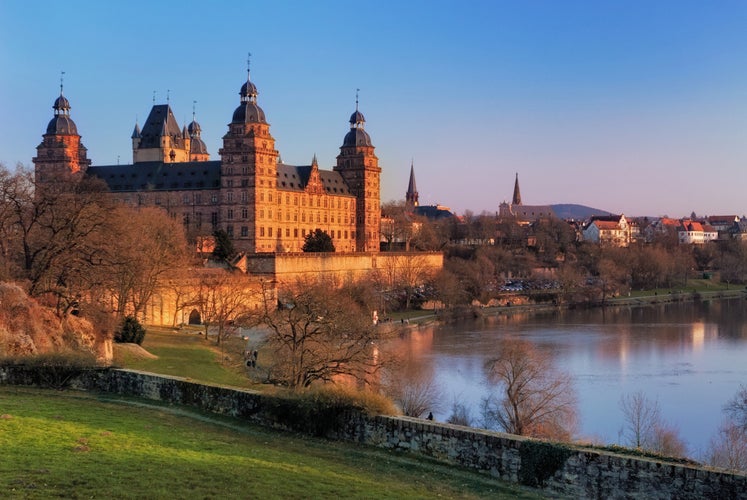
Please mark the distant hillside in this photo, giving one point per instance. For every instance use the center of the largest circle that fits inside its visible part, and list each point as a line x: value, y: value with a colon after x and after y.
x: 577, y: 212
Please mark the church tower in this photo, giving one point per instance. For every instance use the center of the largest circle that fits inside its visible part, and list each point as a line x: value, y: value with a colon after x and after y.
x: 249, y: 178
x: 61, y: 152
x: 516, y: 200
x: 411, y: 197
x: 359, y: 167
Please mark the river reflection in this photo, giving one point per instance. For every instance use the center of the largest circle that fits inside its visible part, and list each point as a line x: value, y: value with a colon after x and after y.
x: 692, y: 357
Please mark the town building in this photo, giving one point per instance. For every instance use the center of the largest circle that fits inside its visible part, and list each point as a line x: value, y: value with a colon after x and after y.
x: 263, y: 204
x: 696, y: 233
x: 609, y: 229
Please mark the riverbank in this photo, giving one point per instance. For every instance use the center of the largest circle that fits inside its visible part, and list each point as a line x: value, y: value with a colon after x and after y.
x: 421, y: 318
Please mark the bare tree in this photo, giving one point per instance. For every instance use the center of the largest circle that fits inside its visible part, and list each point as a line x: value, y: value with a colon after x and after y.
x: 148, y: 246
x: 532, y: 397
x: 728, y: 448
x: 226, y: 299
x: 644, y: 428
x: 460, y: 414
x: 414, y: 390
x: 318, y: 333
x: 736, y: 409
x: 641, y: 417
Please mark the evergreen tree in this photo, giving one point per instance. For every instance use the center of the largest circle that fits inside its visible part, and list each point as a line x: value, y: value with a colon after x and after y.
x: 130, y: 331
x: 318, y: 241
x: 224, y: 249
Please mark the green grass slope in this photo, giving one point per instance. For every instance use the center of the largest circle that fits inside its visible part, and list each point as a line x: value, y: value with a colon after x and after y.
x: 76, y: 445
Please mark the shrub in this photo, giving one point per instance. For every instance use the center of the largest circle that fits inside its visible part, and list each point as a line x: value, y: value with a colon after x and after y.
x: 324, y: 411
x: 131, y: 331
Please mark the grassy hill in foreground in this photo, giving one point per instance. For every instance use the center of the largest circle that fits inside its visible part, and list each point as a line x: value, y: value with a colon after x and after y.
x: 75, y: 445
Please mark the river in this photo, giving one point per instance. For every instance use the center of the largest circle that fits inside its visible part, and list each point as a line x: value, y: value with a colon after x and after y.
x: 690, y: 356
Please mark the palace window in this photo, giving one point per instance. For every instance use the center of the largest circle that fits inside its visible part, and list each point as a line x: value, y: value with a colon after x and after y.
x: 229, y: 214
x: 244, y: 213
x: 244, y: 231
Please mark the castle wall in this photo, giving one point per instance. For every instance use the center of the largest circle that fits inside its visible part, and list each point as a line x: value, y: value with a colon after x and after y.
x: 291, y: 267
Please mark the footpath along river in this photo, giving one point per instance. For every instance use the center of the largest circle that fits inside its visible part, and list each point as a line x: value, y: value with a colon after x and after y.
x: 690, y: 356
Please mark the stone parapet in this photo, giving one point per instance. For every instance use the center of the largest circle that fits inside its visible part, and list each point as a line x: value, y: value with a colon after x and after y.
x: 555, y: 468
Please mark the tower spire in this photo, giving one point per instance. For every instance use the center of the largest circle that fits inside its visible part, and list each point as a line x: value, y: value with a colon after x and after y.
x: 517, y: 194
x: 411, y: 197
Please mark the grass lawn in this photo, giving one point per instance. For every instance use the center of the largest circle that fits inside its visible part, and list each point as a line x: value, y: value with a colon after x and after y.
x: 186, y: 353
x: 79, y: 445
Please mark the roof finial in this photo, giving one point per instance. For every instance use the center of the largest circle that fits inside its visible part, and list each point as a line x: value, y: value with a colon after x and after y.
x: 62, y: 79
x: 248, y: 61
x: 154, y: 97
x: 168, y: 96
x: 356, y: 98
x: 193, y: 110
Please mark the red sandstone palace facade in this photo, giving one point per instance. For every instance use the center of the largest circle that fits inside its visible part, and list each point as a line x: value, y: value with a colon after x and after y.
x: 265, y: 206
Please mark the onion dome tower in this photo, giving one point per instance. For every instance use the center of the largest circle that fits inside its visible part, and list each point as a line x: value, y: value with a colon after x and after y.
x: 248, y: 158
x: 359, y: 166
x: 61, y: 152
x: 197, y: 148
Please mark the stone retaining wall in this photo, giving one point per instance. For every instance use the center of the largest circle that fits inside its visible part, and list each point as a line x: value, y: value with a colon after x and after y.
x: 560, y: 470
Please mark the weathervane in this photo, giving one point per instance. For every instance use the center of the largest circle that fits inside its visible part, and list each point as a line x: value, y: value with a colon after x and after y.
x: 62, y: 78
x: 168, y: 96
x: 248, y: 61
x: 193, y: 110
x: 154, y: 97
x: 356, y: 98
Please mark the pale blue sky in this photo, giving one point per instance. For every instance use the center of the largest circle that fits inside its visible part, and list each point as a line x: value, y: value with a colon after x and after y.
x: 628, y: 106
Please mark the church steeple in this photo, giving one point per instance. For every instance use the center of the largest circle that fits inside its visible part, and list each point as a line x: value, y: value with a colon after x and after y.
x: 411, y: 198
x: 517, y: 194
